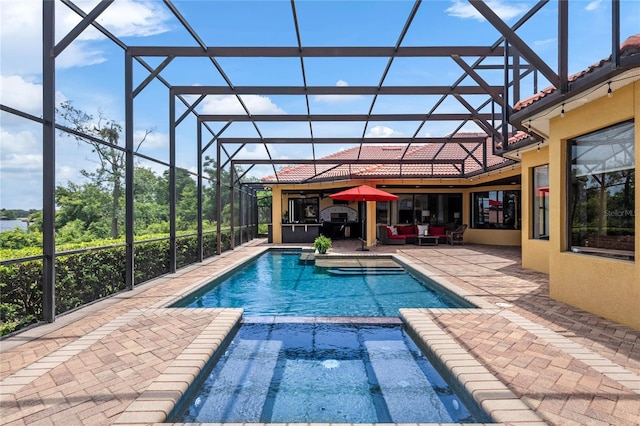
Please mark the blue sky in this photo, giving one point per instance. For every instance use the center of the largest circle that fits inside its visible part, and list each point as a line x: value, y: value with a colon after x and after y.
x: 90, y: 72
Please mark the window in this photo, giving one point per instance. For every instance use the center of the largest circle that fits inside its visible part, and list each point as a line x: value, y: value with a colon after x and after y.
x: 303, y: 210
x: 434, y: 209
x: 382, y: 212
x: 405, y: 208
x: 601, y: 198
x: 495, y: 210
x: 540, y: 202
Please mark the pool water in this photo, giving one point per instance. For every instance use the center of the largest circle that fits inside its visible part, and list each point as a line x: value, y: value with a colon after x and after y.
x: 324, y: 372
x: 279, y: 283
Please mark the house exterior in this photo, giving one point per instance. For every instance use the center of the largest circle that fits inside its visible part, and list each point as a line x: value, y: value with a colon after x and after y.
x: 565, y: 192
x: 424, y: 177
x: 579, y: 214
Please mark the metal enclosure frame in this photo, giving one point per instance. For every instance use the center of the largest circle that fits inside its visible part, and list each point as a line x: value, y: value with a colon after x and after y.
x: 519, y: 62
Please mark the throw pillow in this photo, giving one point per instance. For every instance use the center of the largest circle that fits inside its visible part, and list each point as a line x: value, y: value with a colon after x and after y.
x: 394, y: 230
x: 423, y: 229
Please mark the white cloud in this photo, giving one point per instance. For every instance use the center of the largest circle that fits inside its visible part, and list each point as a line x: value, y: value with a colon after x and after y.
x: 545, y: 42
x: 80, y: 54
x: 19, y: 152
x: 123, y: 18
x: 153, y: 140
x: 228, y: 104
x: 505, y: 11
x: 65, y: 173
x: 20, y: 170
x: 383, y: 132
x: 593, y: 5
x: 20, y: 94
x: 332, y: 99
x: 256, y: 152
x: 126, y: 18
x: 21, y: 32
x: 23, y: 94
x: 21, y: 35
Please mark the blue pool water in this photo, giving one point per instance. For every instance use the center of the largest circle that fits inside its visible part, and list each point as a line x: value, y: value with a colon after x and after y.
x: 279, y: 283
x: 320, y: 372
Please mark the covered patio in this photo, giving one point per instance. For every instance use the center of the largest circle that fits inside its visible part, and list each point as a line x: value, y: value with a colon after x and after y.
x: 122, y: 360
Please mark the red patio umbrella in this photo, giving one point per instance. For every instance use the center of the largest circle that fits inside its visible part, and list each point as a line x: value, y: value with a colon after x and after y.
x: 363, y: 193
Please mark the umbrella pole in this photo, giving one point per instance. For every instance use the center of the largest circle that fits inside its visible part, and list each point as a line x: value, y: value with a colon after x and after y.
x: 362, y: 248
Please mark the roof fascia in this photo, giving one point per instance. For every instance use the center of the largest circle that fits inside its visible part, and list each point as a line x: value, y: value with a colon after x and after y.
x: 588, y: 81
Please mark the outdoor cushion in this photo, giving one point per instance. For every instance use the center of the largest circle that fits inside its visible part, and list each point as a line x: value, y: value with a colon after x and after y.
x: 407, y: 230
x: 392, y: 239
x: 439, y: 231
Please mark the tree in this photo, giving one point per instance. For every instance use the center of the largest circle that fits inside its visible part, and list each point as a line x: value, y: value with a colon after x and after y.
x: 151, y: 213
x: 105, y: 141
x: 84, y: 209
x: 210, y: 209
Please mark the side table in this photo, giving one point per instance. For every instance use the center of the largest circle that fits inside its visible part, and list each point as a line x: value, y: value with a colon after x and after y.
x: 428, y: 240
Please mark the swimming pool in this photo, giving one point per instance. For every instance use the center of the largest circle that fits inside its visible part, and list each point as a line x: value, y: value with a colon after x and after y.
x: 279, y: 283
x: 324, y: 373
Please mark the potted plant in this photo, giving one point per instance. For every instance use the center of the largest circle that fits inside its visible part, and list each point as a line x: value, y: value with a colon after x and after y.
x: 322, y: 244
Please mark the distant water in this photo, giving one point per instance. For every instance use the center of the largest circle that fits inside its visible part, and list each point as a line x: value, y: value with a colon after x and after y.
x: 8, y: 225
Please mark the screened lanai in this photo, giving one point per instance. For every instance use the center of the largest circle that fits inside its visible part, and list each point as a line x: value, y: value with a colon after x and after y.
x: 174, y: 111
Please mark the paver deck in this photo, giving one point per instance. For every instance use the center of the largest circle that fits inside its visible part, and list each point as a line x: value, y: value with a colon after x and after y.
x: 127, y: 358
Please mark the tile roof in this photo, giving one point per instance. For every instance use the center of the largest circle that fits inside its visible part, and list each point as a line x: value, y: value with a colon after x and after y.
x: 468, y: 153
x: 631, y: 46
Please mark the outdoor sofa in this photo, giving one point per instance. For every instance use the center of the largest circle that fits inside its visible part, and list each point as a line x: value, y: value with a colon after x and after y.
x: 408, y: 234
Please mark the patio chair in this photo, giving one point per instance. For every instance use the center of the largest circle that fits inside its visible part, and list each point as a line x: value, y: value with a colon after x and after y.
x: 456, y: 236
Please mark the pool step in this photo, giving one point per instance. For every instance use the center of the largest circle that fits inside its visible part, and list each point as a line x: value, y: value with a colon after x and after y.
x: 306, y: 257
x: 366, y: 271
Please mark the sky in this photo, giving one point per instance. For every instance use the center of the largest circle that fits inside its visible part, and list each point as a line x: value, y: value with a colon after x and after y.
x: 90, y: 72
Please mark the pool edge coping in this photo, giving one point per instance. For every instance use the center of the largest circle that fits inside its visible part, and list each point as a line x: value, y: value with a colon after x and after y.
x: 156, y: 403
x: 477, y: 301
x: 493, y: 396
x: 159, y: 400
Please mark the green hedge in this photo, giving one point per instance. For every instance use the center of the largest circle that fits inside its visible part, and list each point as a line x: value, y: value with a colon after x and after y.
x: 85, y: 277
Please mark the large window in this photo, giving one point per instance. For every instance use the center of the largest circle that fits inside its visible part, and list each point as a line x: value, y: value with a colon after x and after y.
x: 601, y: 201
x: 540, y: 202
x: 495, y: 210
x: 423, y: 208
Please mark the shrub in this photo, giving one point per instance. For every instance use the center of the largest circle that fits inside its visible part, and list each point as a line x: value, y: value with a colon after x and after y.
x: 18, y: 238
x: 322, y: 244
x: 88, y: 276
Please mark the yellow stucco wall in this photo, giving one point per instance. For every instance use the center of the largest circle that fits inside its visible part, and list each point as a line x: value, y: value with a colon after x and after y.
x: 535, y: 252
x: 609, y: 288
x: 475, y: 236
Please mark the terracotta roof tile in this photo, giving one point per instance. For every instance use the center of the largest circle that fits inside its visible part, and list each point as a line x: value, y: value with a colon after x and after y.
x: 427, y: 153
x: 631, y: 46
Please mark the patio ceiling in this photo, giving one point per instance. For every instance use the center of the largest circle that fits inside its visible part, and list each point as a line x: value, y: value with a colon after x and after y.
x: 478, y: 98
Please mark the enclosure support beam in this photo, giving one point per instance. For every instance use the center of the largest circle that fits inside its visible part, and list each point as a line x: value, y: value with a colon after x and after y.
x: 233, y: 207
x: 200, y: 242
x: 615, y: 34
x: 129, y: 171
x: 563, y: 46
x: 218, y: 200
x: 48, y: 162
x: 172, y: 184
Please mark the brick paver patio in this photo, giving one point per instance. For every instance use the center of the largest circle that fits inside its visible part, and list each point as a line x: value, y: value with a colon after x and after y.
x: 126, y: 359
